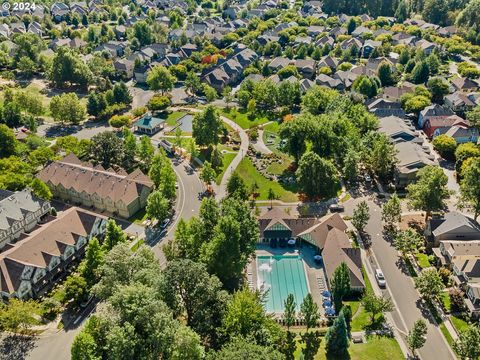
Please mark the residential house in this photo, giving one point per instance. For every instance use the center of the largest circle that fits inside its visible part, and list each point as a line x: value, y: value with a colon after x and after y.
x: 114, y: 192
x: 426, y: 46
x: 369, y: 46
x: 327, y: 81
x: 306, y: 68
x: 394, y: 93
x: 472, y: 300
x: 464, y: 84
x: 383, y: 108
x: 452, y: 226
x: 398, y: 130
x: 432, y: 110
x: 59, y: 10
x: 124, y: 67
x: 459, y: 102
x: 20, y: 212
x: 33, y: 265
x: 328, y: 235
x: 411, y: 158
x: 438, y: 125
x: 463, y: 134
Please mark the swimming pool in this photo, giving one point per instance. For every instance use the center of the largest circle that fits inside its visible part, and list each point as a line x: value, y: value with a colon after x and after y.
x: 281, y: 275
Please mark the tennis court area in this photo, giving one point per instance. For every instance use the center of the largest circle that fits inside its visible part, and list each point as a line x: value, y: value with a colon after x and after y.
x: 281, y: 275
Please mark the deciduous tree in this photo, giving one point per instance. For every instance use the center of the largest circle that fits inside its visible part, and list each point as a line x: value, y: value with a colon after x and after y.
x: 429, y: 284
x: 392, y: 210
x: 470, y: 187
x: 361, y: 216
x: 340, y: 285
x: 375, y: 304
x: 417, y: 336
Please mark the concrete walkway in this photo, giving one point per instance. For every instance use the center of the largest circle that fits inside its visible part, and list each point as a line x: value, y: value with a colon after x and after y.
x: 221, y: 190
x: 259, y: 144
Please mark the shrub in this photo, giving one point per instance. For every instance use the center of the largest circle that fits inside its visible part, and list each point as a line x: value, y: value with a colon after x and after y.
x: 118, y: 121
x: 139, y: 111
x: 158, y: 103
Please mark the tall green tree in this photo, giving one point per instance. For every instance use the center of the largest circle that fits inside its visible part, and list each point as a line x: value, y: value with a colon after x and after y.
x: 8, y: 142
x: 67, y: 108
x: 289, y: 313
x: 336, y: 339
x: 466, y: 345
x: 113, y: 235
x: 207, y: 127
x: 145, y: 152
x: 158, y: 206
x: 93, y: 261
x: 317, y: 177
x: 107, y: 149
x: 361, y: 215
x: 429, y: 284
x: 340, y: 285
x: 375, y: 304
x: 392, y: 211
x: 417, y: 336
x: 160, y: 79
x: 430, y: 191
x: 236, y: 187
x: 18, y: 315
x: 408, y: 242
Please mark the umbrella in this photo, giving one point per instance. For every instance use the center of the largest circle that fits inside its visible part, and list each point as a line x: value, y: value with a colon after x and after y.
x: 327, y: 304
x: 291, y: 242
x: 329, y: 311
x: 326, y: 293
x: 317, y: 258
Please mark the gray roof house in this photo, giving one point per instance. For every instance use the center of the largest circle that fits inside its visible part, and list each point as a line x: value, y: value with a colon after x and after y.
x: 411, y: 158
x: 20, y: 212
x: 452, y: 226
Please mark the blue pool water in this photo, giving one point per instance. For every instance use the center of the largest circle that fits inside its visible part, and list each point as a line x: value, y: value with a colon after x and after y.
x: 281, y: 275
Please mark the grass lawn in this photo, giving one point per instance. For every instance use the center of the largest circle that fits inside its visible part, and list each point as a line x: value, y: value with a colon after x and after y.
x: 422, y: 260
x: 446, y: 334
x: 139, y: 217
x: 250, y: 174
x: 170, y: 117
x: 445, y: 299
x: 460, y: 324
x: 376, y: 347
x: 273, y: 127
x: 242, y: 119
x: 227, y: 159
x: 278, y: 169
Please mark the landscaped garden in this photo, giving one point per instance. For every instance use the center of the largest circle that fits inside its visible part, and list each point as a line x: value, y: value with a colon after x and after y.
x: 244, y: 119
x: 226, y: 160
x: 375, y: 347
x: 251, y: 175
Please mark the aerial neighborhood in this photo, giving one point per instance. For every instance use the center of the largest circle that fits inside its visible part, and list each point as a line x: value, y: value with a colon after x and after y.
x: 240, y: 179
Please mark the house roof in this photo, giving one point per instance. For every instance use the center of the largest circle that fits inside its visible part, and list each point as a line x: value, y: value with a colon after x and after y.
x: 453, y: 222
x: 71, y: 173
x: 148, y: 121
x: 15, y: 206
x: 37, y: 248
x: 338, y: 250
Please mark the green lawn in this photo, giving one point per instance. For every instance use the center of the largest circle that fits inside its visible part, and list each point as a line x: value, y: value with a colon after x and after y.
x: 376, y: 347
x: 273, y: 127
x: 446, y: 334
x: 445, y: 299
x: 422, y: 260
x: 250, y: 174
x: 139, y: 217
x: 227, y: 159
x: 242, y: 119
x: 170, y: 117
x: 460, y: 324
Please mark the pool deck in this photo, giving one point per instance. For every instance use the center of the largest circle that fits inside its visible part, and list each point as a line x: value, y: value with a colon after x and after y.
x: 314, y: 271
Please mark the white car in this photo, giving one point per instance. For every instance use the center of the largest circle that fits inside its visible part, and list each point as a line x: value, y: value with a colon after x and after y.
x: 164, y: 223
x: 380, y: 278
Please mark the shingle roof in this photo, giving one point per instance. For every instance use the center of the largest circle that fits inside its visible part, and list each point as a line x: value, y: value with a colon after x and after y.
x: 72, y: 173
x: 37, y: 248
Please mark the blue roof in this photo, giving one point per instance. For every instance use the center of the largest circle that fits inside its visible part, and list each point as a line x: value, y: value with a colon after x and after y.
x: 148, y: 121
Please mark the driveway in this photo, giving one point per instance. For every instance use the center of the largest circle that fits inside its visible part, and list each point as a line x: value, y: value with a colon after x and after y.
x: 408, y: 307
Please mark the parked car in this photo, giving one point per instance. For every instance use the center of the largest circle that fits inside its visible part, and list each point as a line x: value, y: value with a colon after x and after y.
x: 336, y: 208
x: 380, y: 278
x: 367, y: 178
x: 164, y: 223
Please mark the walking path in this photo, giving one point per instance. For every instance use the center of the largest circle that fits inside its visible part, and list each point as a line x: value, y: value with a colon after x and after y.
x: 259, y: 144
x: 221, y: 190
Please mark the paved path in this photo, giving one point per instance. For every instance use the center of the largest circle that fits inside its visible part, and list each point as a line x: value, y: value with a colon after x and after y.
x: 221, y: 190
x: 259, y: 145
x: 408, y: 307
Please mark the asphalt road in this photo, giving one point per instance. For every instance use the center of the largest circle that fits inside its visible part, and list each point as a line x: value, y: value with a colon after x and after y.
x: 408, y: 307
x: 187, y: 205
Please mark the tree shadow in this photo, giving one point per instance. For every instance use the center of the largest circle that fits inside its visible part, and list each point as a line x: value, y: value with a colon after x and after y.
x: 337, y: 357
x: 16, y: 346
x: 426, y: 313
x: 402, y: 266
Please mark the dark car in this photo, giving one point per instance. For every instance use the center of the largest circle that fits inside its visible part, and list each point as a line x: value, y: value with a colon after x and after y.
x: 336, y: 208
